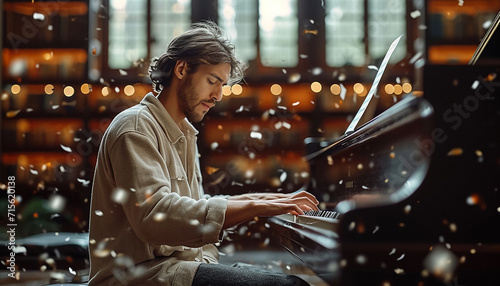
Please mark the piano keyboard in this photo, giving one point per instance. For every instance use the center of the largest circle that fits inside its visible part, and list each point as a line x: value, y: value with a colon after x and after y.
x: 325, y: 214
x: 321, y: 220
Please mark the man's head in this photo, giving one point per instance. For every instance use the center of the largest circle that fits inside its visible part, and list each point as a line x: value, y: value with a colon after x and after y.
x: 204, y: 43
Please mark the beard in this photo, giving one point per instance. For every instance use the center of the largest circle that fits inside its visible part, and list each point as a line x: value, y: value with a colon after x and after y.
x: 188, y: 101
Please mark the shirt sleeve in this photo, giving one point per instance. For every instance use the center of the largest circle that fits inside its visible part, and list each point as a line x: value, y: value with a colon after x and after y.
x: 156, y: 214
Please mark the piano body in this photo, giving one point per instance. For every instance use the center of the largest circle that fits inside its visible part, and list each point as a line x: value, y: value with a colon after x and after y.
x: 416, y: 190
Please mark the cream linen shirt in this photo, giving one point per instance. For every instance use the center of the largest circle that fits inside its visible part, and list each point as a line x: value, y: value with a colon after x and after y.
x: 149, y: 222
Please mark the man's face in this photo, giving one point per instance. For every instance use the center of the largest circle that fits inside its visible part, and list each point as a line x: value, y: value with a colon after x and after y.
x: 199, y: 91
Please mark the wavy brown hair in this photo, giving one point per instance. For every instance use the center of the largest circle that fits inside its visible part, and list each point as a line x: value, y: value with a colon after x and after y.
x: 203, y: 43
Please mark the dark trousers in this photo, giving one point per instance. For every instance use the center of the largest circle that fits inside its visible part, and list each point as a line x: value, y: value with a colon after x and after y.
x: 224, y: 275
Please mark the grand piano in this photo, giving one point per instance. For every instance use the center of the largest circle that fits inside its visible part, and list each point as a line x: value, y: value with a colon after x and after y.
x: 413, y: 195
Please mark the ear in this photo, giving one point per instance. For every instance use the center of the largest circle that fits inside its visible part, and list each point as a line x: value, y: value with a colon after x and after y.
x: 180, y: 69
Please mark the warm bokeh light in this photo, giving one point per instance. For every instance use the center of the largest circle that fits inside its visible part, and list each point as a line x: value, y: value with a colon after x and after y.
x: 407, y: 88
x: 48, y: 56
x: 398, y: 89
x: 316, y: 87
x: 69, y: 91
x: 49, y: 89
x: 226, y: 90
x: 129, y: 90
x: 105, y: 91
x: 335, y: 89
x: 389, y: 88
x: 359, y: 88
x: 276, y: 89
x: 15, y: 89
x: 237, y: 89
x: 85, y: 88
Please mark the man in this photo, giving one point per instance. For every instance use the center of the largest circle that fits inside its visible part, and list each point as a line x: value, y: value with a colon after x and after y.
x: 150, y: 224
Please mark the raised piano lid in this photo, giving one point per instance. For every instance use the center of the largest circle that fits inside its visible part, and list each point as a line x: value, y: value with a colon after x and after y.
x: 379, y: 163
x: 488, y: 50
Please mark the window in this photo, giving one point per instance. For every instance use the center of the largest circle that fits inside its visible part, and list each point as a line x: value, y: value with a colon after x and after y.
x: 169, y: 18
x: 344, y: 26
x: 128, y: 34
x: 237, y: 18
x: 386, y: 22
x: 345, y: 31
x: 278, y: 28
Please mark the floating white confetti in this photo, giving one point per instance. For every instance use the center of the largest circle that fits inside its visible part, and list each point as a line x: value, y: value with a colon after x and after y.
x: 361, y: 259
x: 159, y: 217
x: 256, y: 135
x: 441, y: 262
x: 214, y: 145
x: 487, y: 24
x: 65, y: 148
x: 38, y: 16
x: 241, y: 109
x: 316, y: 71
x: 119, y: 196
x: 399, y: 271
x: 57, y: 203
x: 343, y: 91
x: 294, y: 77
x: 415, y: 14
x: 84, y: 182
x: 98, y: 213
x: 416, y: 57
x: 283, y: 177
x: 475, y: 84
x: 372, y: 67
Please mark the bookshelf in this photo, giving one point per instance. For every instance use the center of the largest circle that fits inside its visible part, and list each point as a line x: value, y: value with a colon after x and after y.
x: 44, y: 110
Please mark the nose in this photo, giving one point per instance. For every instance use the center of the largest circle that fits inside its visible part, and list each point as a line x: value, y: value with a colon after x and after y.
x: 217, y: 93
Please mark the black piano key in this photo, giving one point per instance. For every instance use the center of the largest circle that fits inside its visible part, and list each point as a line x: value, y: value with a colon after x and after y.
x: 323, y: 213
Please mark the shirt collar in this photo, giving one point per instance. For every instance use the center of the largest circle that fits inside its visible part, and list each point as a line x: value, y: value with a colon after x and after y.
x: 167, y: 123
